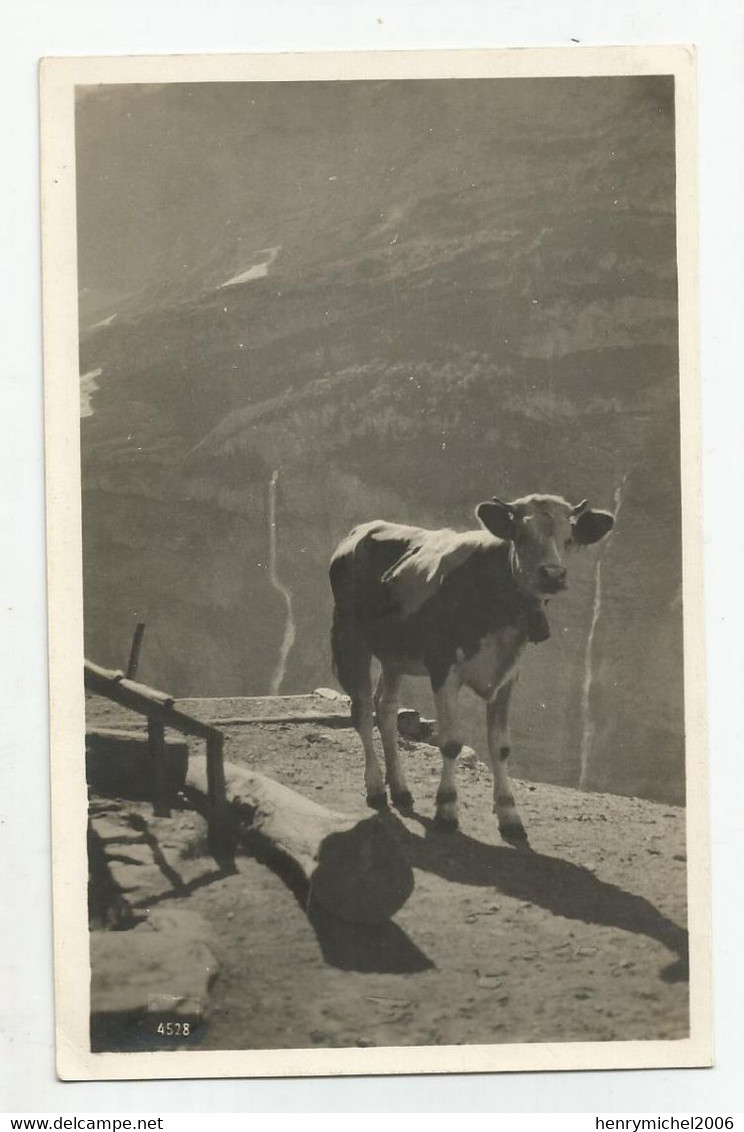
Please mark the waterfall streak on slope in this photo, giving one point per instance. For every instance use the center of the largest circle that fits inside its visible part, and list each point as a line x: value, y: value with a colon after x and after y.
x: 587, y: 724
x: 290, y: 630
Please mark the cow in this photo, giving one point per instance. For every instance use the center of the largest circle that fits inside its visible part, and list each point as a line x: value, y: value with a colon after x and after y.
x: 459, y: 608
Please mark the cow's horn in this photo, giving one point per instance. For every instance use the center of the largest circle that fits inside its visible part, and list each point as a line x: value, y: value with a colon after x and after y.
x: 509, y: 506
x: 579, y: 507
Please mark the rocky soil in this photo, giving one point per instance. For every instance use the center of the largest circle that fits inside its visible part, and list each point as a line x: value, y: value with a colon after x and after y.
x: 582, y: 939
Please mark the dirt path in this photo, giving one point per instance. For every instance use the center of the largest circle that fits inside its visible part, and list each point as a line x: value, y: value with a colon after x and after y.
x: 581, y: 940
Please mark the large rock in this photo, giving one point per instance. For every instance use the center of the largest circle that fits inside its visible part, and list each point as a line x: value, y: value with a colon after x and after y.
x: 118, y: 764
x: 159, y: 968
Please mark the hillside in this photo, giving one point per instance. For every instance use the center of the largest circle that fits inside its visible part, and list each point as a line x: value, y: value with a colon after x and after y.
x: 404, y: 298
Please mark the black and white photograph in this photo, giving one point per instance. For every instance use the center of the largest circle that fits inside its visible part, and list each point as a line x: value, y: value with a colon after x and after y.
x: 375, y: 607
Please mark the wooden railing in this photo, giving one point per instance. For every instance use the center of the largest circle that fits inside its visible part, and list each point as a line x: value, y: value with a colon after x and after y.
x: 160, y: 710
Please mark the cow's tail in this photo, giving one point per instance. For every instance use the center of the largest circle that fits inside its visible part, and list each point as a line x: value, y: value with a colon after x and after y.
x: 349, y: 652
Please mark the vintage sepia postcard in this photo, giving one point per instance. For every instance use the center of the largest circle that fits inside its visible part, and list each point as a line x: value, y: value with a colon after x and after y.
x: 376, y: 650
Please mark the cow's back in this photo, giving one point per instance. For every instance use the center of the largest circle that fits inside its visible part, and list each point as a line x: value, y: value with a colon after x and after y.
x: 361, y: 561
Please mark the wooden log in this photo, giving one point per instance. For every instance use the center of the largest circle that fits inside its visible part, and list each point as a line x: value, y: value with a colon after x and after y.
x: 316, y: 717
x: 221, y: 836
x: 350, y: 866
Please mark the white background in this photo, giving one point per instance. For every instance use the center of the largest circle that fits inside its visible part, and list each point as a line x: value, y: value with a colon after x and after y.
x: 85, y: 27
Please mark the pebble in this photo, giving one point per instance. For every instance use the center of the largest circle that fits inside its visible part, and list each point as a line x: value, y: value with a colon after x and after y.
x: 489, y: 982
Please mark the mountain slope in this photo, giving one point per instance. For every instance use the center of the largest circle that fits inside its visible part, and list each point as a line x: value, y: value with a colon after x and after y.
x: 444, y: 291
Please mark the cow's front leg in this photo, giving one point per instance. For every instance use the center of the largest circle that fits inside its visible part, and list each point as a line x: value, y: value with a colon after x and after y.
x: 499, y: 749
x: 450, y: 744
x: 386, y: 699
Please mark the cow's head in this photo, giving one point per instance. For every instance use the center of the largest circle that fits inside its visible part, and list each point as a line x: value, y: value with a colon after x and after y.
x: 539, y: 528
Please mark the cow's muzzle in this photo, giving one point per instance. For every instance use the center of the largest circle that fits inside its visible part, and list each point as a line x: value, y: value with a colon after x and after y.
x: 551, y: 579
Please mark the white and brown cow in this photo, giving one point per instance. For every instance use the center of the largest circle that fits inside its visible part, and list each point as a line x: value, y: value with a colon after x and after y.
x: 458, y: 608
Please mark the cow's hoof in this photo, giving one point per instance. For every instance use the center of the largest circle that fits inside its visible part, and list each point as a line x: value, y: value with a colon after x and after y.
x: 377, y: 801
x: 446, y: 825
x: 403, y: 802
x: 515, y: 835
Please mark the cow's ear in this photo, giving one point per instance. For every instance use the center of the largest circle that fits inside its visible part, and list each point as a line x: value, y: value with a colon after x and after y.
x: 591, y: 526
x: 496, y: 517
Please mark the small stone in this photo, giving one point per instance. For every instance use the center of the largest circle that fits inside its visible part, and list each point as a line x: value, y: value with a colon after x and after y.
x: 489, y: 982
x: 331, y: 694
x: 468, y: 758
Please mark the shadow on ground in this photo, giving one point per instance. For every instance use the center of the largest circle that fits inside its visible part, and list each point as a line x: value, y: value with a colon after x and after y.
x: 558, y: 886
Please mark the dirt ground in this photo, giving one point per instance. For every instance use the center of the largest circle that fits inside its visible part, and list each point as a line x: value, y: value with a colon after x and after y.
x: 581, y: 939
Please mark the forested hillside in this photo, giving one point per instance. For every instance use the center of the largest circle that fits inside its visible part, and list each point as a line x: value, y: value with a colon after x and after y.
x: 403, y: 298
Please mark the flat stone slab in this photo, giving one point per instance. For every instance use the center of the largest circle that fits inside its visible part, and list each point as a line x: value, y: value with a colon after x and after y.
x: 143, y: 856
x: 162, y: 968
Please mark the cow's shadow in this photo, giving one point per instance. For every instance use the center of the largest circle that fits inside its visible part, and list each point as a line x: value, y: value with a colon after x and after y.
x: 369, y: 948
x: 562, y: 888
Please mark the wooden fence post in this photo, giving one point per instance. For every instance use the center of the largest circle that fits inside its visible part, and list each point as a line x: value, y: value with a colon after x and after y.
x: 134, y: 652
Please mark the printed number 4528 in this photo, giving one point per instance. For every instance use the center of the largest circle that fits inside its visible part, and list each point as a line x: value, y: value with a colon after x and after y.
x: 174, y: 1029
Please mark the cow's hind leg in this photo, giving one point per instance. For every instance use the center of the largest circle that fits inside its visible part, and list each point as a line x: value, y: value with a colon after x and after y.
x: 504, y: 806
x: 352, y: 662
x: 450, y: 744
x: 386, y: 699
x: 364, y: 718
